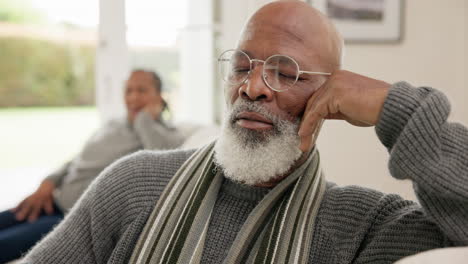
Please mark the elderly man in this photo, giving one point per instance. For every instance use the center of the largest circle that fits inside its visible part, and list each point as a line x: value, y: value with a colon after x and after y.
x: 143, y: 128
x: 257, y: 194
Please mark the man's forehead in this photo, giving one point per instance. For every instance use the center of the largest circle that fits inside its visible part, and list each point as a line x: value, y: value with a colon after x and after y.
x: 289, y: 20
x: 295, y: 29
x: 260, y: 43
x: 273, y: 32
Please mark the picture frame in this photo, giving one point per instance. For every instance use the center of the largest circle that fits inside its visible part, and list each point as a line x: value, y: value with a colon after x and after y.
x: 361, y: 21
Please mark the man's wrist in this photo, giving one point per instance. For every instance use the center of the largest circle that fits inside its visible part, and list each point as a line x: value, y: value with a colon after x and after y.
x: 383, y: 91
x: 401, y: 102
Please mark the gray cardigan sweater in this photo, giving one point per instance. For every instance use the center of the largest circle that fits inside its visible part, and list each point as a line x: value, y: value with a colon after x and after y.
x: 114, y: 140
x: 354, y: 224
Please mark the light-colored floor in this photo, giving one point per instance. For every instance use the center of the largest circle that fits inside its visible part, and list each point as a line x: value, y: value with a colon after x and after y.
x: 36, y: 140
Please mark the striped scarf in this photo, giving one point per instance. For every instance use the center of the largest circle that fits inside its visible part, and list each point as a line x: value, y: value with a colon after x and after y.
x: 278, y: 230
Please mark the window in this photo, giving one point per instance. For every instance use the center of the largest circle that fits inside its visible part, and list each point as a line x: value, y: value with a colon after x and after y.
x: 153, y: 38
x: 47, y: 56
x: 49, y: 81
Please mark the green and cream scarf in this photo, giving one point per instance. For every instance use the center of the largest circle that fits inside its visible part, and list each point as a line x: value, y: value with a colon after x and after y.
x: 278, y: 230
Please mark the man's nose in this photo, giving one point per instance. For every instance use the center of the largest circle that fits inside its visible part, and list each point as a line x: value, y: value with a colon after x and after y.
x: 255, y: 89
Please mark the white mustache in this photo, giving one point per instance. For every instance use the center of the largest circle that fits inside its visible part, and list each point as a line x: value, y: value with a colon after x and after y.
x: 242, y: 105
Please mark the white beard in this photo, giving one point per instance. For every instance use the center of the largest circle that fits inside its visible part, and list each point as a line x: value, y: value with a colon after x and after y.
x: 252, y: 157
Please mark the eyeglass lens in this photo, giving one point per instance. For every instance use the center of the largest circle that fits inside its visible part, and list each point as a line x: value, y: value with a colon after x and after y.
x: 279, y: 72
x: 234, y: 66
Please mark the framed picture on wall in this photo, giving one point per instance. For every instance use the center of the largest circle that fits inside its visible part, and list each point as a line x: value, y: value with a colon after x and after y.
x: 365, y: 20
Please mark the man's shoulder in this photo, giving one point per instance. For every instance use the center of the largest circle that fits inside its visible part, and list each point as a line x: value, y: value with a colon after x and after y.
x: 337, y: 194
x: 123, y: 195
x: 350, y: 211
x: 358, y: 200
x: 152, y: 165
x: 139, y: 178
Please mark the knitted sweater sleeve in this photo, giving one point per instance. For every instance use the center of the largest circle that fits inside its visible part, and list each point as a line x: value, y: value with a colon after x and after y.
x: 156, y: 134
x: 433, y: 154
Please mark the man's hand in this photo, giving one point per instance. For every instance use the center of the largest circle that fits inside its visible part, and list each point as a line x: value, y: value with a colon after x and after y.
x: 154, y: 108
x: 31, y: 207
x: 346, y: 96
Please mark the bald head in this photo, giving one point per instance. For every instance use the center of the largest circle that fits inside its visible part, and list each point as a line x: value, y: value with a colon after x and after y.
x: 295, y: 24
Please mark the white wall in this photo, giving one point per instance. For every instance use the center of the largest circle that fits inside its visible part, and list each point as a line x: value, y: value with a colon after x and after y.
x: 433, y: 52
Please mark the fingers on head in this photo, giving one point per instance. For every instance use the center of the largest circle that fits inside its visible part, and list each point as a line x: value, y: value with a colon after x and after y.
x: 315, y: 97
x: 309, y: 123
x: 305, y: 143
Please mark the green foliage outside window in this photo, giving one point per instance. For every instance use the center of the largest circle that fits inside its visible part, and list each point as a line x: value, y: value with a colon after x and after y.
x: 19, y: 11
x: 39, y: 71
x: 43, y: 73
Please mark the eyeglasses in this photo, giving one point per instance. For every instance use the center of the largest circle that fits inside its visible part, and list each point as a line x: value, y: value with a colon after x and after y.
x: 280, y: 72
